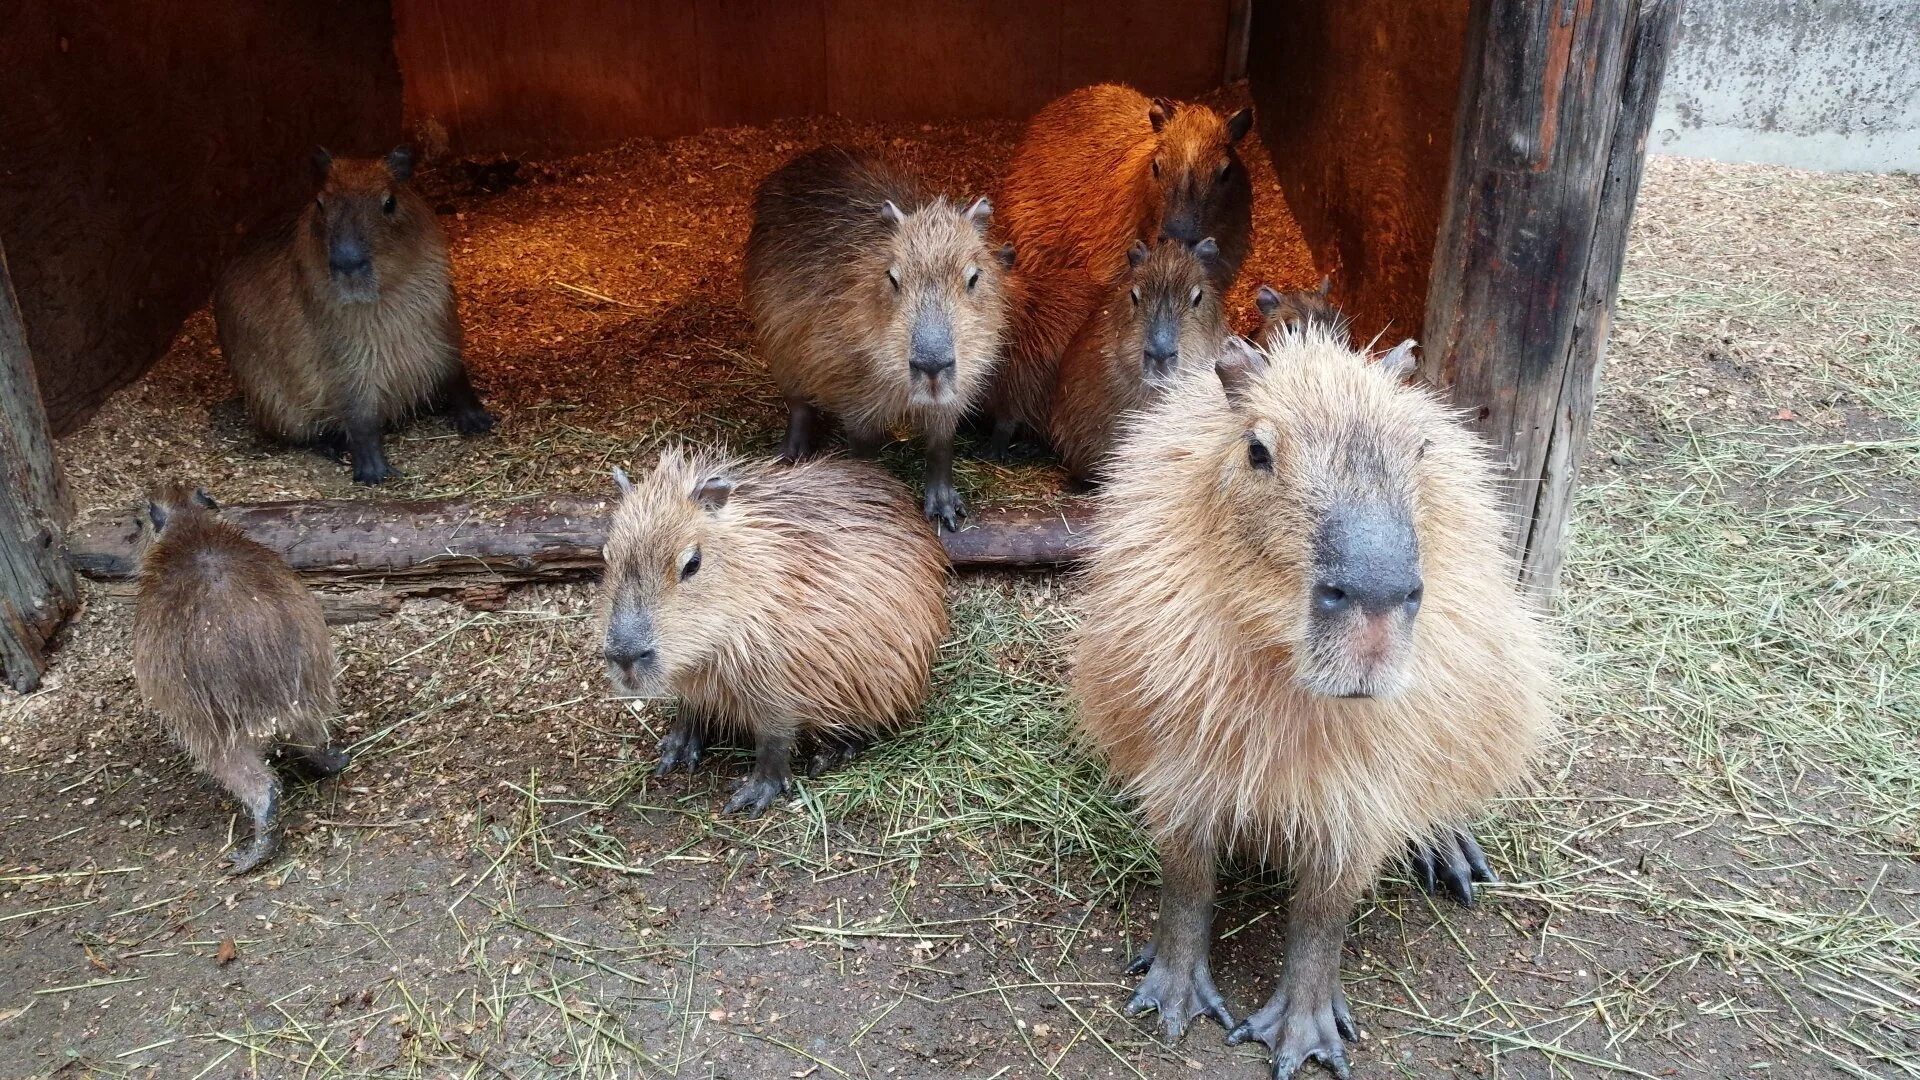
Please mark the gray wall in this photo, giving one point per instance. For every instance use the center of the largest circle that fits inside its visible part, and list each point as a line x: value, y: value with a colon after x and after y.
x: 1817, y: 84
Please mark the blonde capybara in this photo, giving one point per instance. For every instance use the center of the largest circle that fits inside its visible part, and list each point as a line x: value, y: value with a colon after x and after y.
x: 876, y: 303
x: 1294, y: 312
x: 232, y: 652
x: 1302, y: 643
x: 786, y: 603
x: 1164, y: 312
x: 1096, y: 170
x: 339, y: 322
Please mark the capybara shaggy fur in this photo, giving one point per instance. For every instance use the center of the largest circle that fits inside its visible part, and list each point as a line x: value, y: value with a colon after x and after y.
x: 1302, y: 642
x: 875, y: 302
x: 339, y: 322
x: 1096, y: 170
x: 232, y: 652
x: 1293, y: 312
x: 1163, y: 313
x: 783, y: 602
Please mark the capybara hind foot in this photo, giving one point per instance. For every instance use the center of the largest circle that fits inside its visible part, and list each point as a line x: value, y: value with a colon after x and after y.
x: 469, y: 417
x: 1299, y: 1027
x: 682, y: 746
x: 835, y: 751
x: 1449, y: 864
x: 944, y: 507
x: 320, y: 762
x: 472, y: 423
x: 772, y: 777
x: 244, y: 772
x: 1179, y: 988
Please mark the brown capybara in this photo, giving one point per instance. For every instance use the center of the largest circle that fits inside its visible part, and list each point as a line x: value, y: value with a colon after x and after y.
x: 780, y: 602
x: 1303, y: 643
x: 876, y: 303
x: 1163, y: 313
x: 1294, y: 312
x: 1096, y: 170
x: 339, y: 322
x: 231, y: 650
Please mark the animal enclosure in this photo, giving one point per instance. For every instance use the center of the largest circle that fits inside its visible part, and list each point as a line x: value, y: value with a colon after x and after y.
x: 1463, y: 173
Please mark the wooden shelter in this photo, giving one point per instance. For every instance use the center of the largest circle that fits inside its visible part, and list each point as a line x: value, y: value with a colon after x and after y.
x: 1467, y: 166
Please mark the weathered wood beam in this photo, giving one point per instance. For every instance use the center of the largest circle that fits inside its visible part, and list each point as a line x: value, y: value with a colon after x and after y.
x: 1555, y: 103
x: 456, y: 547
x: 36, y: 585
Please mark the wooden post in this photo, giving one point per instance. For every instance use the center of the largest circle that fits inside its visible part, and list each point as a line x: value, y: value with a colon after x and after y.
x: 1556, y: 97
x: 36, y: 585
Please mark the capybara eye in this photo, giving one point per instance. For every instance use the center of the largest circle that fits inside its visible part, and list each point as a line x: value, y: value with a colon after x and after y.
x: 691, y: 565
x: 1135, y: 294
x: 1225, y: 169
x: 973, y: 277
x: 1197, y: 294
x: 389, y: 205
x: 1156, y: 168
x: 1258, y: 455
x: 319, y: 203
x: 893, y: 278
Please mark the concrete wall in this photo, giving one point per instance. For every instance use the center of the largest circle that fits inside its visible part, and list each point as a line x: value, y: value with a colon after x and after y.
x: 1817, y: 84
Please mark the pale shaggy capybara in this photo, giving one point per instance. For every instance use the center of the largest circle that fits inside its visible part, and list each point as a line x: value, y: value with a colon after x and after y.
x: 1096, y: 170
x: 232, y: 652
x: 1302, y: 642
x: 1163, y: 313
x: 1294, y: 312
x: 875, y: 302
x: 339, y: 322
x: 781, y: 602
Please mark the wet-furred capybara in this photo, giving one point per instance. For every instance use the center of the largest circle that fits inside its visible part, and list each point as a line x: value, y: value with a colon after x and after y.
x: 1303, y: 643
x: 877, y: 303
x: 339, y: 322
x: 779, y: 602
x: 232, y: 652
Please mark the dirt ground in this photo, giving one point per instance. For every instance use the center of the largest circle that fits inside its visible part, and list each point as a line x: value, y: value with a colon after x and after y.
x: 1717, y: 873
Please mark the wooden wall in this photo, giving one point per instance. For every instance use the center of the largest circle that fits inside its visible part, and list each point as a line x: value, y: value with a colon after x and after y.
x: 528, y: 75
x: 1356, y: 103
x: 137, y: 139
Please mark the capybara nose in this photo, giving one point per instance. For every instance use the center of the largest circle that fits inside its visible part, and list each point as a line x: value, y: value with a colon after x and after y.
x: 631, y: 658
x: 1375, y: 594
x: 347, y: 257
x: 1160, y: 357
x: 932, y: 363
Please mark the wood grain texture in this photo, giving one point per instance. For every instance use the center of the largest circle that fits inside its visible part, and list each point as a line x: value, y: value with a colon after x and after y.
x: 520, y: 76
x: 453, y: 546
x: 36, y: 585
x: 1556, y: 102
x: 136, y: 140
x: 1356, y: 108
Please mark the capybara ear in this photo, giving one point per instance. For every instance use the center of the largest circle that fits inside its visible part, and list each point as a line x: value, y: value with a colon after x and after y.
x: 1326, y: 285
x: 1207, y: 250
x: 891, y: 214
x: 1266, y: 300
x: 1239, y: 124
x: 1007, y: 255
x: 1137, y: 254
x: 712, y: 493
x: 205, y: 500
x: 1159, y: 113
x: 980, y: 213
x: 400, y: 163
x: 622, y: 481
x: 1398, y: 363
x: 322, y: 163
x: 1240, y: 362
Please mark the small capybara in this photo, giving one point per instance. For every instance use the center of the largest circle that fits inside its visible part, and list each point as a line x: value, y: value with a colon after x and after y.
x: 231, y: 650
x: 781, y: 602
x: 1096, y: 170
x: 339, y: 322
x: 1162, y: 313
x: 1302, y: 643
x: 876, y: 303
x: 1293, y: 312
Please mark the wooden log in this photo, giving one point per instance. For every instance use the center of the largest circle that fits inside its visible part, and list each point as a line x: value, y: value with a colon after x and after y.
x: 1555, y: 104
x: 457, y: 547
x: 36, y: 586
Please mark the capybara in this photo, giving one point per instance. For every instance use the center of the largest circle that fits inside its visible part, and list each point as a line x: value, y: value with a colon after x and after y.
x: 1162, y: 313
x: 1302, y: 643
x: 1293, y: 312
x: 875, y: 302
x: 232, y: 652
x: 1096, y: 170
x: 339, y: 322
x: 777, y: 601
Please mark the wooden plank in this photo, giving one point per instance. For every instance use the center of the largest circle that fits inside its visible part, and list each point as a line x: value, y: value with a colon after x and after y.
x: 761, y: 60
x: 1170, y: 50
x: 37, y: 590
x: 450, y: 546
x: 1556, y: 101
x: 941, y: 59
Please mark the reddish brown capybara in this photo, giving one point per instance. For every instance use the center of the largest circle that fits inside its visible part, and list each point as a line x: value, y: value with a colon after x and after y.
x: 877, y: 303
x: 1284, y: 312
x: 339, y: 322
x: 232, y: 652
x: 1302, y: 642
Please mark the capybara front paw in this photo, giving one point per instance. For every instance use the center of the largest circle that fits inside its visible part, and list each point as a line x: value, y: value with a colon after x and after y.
x: 372, y: 472
x: 251, y: 857
x: 754, y: 795
x: 1179, y: 993
x: 472, y: 422
x: 327, y: 762
x: 1449, y: 864
x: 945, y: 507
x: 680, y: 749
x: 1299, y: 1028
